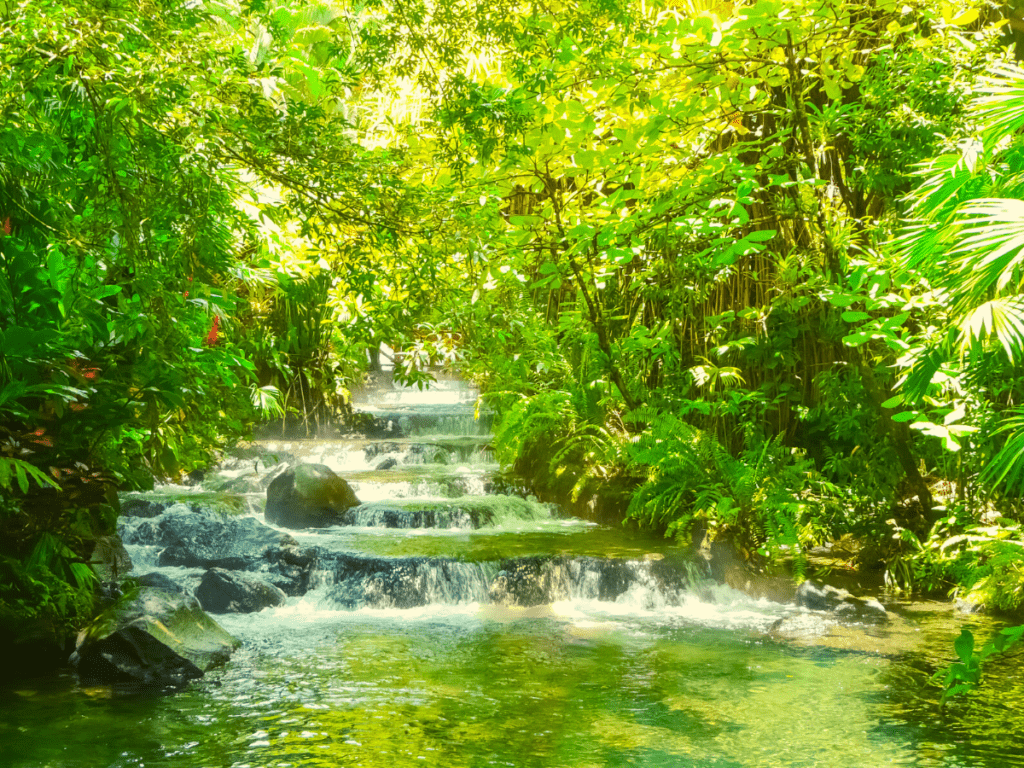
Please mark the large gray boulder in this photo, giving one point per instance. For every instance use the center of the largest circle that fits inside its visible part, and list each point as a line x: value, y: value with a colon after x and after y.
x: 160, y: 640
x: 201, y: 538
x: 308, y: 496
x: 223, y: 591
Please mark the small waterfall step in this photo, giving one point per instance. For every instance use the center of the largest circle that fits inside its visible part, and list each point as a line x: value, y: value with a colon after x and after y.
x: 466, y: 512
x: 353, y: 582
x: 427, y: 531
x: 338, y: 569
x: 361, y: 455
x: 448, y: 407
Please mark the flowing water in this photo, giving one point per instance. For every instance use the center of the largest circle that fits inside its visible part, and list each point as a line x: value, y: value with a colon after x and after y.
x: 506, y: 634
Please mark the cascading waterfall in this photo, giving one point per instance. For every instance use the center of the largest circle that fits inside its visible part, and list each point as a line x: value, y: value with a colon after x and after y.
x: 426, y: 534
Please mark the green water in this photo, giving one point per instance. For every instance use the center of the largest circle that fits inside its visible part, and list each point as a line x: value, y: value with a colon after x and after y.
x: 465, y: 686
x: 654, y: 678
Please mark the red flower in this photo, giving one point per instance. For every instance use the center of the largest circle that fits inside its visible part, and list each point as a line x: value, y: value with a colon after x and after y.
x: 7, y: 225
x: 211, y: 337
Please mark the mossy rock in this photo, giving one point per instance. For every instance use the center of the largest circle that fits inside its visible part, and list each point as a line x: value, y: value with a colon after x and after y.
x: 158, y: 640
x: 308, y: 496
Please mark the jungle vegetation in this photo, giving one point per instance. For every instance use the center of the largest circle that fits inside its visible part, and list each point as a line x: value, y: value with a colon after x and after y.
x: 747, y: 271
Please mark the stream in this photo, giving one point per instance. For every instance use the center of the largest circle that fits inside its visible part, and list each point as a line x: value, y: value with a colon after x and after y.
x: 535, y: 639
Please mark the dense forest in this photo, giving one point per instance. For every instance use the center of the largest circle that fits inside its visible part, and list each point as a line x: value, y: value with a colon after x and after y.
x: 747, y: 272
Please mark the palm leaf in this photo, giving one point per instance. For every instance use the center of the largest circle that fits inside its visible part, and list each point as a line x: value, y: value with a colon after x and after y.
x: 1007, y: 466
x: 1002, y: 318
x: 989, y: 246
x: 1000, y: 105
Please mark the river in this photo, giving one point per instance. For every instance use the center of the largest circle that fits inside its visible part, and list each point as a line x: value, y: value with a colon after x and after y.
x: 533, y: 640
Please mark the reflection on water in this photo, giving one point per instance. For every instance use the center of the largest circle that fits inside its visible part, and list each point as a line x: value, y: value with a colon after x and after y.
x: 561, y: 686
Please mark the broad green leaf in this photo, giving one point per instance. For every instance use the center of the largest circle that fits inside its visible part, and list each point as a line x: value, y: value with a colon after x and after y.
x: 855, y: 317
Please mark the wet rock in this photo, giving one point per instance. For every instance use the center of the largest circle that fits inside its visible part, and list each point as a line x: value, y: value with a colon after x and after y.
x: 141, y: 507
x: 195, y: 477
x: 373, y: 450
x: 109, y: 559
x: 223, y: 591
x: 133, y: 658
x: 159, y: 581
x: 962, y: 605
x: 205, y: 539
x: 268, y: 477
x: 822, y: 597
x: 386, y: 464
x: 289, y: 568
x: 160, y: 640
x: 308, y: 496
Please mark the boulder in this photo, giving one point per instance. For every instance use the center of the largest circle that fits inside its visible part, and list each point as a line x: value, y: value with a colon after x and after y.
x: 159, y: 580
x: 140, y: 507
x: 822, y: 597
x: 203, y: 538
x: 223, y: 591
x: 132, y: 658
x: 308, y: 496
x: 289, y: 568
x: 160, y: 640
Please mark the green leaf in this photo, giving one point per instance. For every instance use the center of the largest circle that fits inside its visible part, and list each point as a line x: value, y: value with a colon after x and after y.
x: 842, y: 299
x: 964, y: 646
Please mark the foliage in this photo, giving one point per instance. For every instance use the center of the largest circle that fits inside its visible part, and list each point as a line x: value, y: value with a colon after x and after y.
x: 166, y: 169
x: 657, y: 235
x: 677, y: 270
x: 962, y: 676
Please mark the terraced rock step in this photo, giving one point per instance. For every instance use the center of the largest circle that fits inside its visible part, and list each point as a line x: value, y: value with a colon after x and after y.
x: 361, y: 582
x: 202, y: 548
x: 467, y: 512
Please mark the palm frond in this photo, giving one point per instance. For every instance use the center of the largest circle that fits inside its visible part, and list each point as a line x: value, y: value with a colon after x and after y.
x: 1000, y: 104
x: 1007, y: 467
x: 1002, y: 318
x: 989, y: 245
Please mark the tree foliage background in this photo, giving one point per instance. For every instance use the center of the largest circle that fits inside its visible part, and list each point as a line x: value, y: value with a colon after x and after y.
x: 744, y: 270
